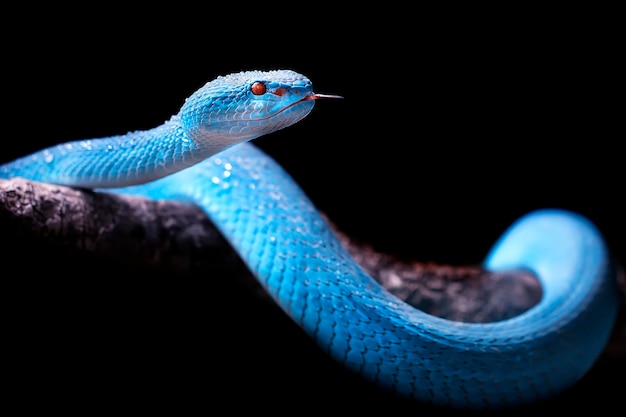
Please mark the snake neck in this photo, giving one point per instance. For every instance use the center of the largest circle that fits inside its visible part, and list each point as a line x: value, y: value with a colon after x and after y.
x: 117, y: 161
x: 223, y: 113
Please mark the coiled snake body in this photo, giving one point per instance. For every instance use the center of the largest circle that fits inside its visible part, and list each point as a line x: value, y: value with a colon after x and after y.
x: 285, y: 242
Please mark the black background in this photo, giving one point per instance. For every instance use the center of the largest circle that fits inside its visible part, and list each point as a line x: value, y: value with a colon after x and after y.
x: 454, y: 124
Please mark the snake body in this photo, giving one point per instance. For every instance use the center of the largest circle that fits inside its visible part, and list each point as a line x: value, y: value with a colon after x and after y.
x: 289, y: 247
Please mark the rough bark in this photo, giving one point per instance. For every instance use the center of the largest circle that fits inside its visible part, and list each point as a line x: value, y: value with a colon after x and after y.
x: 177, y: 238
x: 135, y: 230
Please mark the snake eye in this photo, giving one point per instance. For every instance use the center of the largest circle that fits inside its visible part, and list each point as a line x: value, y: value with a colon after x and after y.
x: 258, y: 88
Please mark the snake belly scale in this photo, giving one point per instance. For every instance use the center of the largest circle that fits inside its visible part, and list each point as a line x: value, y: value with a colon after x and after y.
x: 201, y: 156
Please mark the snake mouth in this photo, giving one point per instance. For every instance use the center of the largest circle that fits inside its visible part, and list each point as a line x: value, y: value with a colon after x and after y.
x: 308, y: 97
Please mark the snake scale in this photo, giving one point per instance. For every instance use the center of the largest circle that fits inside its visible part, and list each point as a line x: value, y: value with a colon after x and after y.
x: 289, y: 247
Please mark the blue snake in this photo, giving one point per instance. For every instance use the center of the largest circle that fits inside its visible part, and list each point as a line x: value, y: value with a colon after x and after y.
x: 202, y: 156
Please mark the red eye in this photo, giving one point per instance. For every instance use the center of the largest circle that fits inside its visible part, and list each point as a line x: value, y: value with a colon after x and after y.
x: 258, y: 88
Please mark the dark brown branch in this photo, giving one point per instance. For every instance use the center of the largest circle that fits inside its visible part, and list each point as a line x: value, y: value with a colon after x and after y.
x: 180, y: 238
x: 135, y: 230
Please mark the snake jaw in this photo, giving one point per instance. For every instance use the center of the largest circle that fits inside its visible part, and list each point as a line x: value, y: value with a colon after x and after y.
x: 307, y: 97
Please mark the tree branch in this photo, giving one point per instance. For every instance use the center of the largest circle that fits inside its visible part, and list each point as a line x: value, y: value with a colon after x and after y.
x: 122, y: 228
x: 39, y: 218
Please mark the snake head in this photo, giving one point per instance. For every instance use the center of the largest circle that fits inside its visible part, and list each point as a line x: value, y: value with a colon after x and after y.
x: 245, y: 105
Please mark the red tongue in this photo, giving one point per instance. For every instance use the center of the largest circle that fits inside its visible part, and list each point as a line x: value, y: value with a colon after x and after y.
x: 316, y: 96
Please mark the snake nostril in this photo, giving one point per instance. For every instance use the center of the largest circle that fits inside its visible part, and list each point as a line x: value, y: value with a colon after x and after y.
x: 280, y: 91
